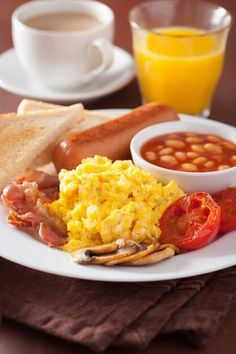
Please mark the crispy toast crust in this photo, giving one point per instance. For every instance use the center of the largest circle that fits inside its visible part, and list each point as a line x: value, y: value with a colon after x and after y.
x: 24, y: 137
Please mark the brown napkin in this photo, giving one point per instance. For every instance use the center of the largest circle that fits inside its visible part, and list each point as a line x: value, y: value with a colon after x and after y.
x: 99, y: 314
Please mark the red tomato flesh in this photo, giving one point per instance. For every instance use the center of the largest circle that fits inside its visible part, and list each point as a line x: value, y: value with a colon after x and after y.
x: 227, y: 200
x: 191, y: 222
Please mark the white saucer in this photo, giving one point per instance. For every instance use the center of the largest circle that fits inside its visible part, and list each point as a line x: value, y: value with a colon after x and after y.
x: 13, y: 78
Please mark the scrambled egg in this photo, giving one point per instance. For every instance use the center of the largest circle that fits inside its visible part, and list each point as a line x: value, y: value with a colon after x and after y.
x: 101, y: 201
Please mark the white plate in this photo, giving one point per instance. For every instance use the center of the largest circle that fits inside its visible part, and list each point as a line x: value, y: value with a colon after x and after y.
x: 13, y: 78
x: 20, y: 248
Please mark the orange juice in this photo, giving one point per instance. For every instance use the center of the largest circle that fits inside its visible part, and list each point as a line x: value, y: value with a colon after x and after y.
x: 178, y: 66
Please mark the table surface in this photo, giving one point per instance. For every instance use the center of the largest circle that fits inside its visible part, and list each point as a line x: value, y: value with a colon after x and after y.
x: 18, y: 339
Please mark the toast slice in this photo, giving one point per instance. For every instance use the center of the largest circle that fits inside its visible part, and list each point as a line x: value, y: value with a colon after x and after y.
x: 90, y: 119
x: 24, y: 137
x: 27, y: 105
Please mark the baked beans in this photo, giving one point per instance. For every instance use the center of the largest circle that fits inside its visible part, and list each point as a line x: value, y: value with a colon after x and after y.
x: 190, y: 152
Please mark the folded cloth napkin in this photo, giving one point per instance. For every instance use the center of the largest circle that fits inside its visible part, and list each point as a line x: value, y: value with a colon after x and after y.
x: 100, y: 314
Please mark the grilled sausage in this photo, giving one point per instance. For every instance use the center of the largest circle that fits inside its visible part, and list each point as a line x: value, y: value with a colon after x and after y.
x: 112, y: 138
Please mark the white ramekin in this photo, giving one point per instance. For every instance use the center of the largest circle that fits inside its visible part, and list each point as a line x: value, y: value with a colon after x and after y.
x: 189, y: 181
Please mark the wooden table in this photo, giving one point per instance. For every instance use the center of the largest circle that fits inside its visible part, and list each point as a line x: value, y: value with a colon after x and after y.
x: 18, y: 339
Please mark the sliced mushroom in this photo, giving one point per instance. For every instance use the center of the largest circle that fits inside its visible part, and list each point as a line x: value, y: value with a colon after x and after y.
x: 138, y: 255
x: 101, y: 249
x: 120, y: 254
x: 154, y: 257
x: 84, y: 255
x: 105, y: 253
x: 165, y: 245
x: 124, y: 252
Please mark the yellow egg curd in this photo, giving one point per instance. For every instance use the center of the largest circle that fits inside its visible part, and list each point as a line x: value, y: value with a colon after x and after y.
x: 101, y: 201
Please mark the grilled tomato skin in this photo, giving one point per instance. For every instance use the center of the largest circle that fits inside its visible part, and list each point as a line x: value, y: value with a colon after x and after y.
x: 227, y: 201
x: 191, y: 222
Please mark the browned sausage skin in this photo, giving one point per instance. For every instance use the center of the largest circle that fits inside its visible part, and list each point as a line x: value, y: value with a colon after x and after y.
x: 112, y: 138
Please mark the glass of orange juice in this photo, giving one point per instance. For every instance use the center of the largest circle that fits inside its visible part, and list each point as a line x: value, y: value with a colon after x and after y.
x: 179, y: 48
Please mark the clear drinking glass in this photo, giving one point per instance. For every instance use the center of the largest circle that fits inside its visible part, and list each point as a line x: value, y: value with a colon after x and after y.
x: 179, y: 48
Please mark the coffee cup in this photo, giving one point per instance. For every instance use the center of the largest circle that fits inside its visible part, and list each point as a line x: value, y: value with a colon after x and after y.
x: 63, y: 44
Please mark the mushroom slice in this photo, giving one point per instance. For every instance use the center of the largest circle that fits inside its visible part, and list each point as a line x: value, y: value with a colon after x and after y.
x: 154, y: 257
x: 138, y: 255
x: 129, y: 248
x: 84, y: 255
x: 102, y: 255
x: 106, y: 248
x: 165, y: 245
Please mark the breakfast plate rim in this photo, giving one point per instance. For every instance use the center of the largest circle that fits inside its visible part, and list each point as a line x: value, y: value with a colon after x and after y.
x: 20, y: 248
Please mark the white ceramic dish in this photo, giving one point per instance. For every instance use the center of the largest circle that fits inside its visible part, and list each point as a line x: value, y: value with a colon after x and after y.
x: 13, y: 78
x: 189, y: 181
x: 20, y: 248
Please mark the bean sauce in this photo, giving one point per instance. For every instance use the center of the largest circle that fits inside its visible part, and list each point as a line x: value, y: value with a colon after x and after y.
x: 190, y: 152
